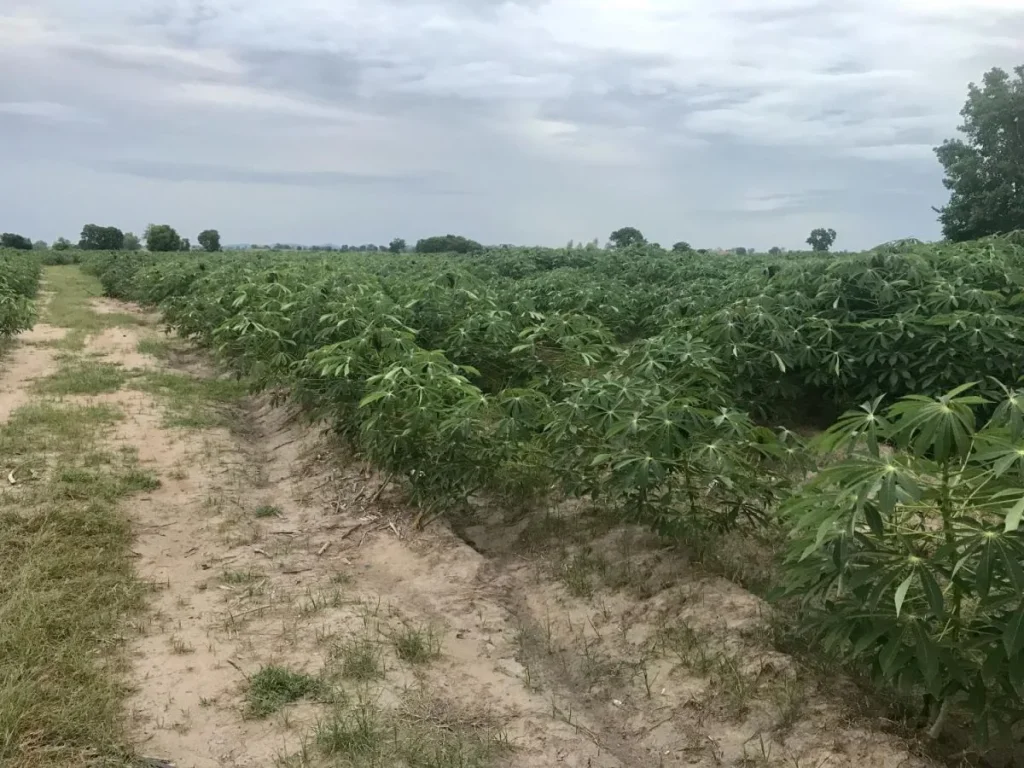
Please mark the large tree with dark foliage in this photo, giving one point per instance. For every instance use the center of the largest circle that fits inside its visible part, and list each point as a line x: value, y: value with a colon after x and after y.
x: 821, y: 239
x: 448, y: 244
x: 622, y: 238
x: 985, y: 168
x: 19, y: 242
x: 131, y: 242
x: 162, y: 238
x: 97, y: 238
x: 210, y: 240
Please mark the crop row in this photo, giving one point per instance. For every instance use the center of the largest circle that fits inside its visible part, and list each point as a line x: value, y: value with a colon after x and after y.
x: 628, y: 377
x: 19, y: 281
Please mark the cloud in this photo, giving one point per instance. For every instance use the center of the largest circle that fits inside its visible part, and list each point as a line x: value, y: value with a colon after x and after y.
x: 44, y: 110
x: 745, y: 120
x: 221, y: 174
x: 240, y: 97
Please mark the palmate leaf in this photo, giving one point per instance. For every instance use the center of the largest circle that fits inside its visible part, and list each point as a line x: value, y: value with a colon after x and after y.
x: 941, y: 427
x: 1013, y: 634
x: 865, y: 425
x: 901, y: 593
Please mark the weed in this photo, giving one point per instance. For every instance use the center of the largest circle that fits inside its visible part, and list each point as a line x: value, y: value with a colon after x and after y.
x: 267, y: 510
x: 192, y: 402
x: 155, y: 347
x: 241, y: 577
x: 83, y: 377
x: 360, y: 658
x: 66, y: 585
x: 422, y: 733
x: 73, y: 291
x: 181, y: 646
x: 273, y: 687
x: 357, y: 733
x: 576, y: 573
x: 417, y: 645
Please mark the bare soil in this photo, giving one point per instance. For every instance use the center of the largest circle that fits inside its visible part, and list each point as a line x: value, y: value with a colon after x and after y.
x: 266, y: 544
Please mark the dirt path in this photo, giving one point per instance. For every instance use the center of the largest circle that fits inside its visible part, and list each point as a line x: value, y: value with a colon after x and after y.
x: 297, y: 617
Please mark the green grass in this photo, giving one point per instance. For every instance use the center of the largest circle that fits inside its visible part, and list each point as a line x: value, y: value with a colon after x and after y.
x: 241, y: 577
x: 193, y: 402
x: 360, y: 659
x: 67, y: 585
x: 155, y: 347
x: 273, y: 687
x: 72, y: 291
x: 42, y: 428
x: 417, y: 645
x: 83, y: 377
x: 421, y: 733
x: 267, y: 510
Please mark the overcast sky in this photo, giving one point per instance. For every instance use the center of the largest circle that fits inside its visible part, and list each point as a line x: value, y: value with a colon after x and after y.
x: 725, y: 123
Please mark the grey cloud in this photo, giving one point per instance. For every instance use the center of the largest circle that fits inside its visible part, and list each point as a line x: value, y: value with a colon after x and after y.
x: 197, y: 172
x: 746, y: 122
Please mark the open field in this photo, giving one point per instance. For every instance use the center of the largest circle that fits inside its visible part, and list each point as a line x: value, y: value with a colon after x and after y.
x: 514, y: 510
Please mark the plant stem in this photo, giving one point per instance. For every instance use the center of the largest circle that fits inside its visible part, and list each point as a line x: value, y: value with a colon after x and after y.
x: 946, y: 508
x: 940, y: 720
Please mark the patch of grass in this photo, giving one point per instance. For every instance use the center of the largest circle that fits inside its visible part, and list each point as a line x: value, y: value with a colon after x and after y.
x: 417, y: 645
x: 46, y: 428
x: 84, y: 483
x: 735, y: 680
x: 273, y: 687
x: 360, y: 658
x: 577, y: 572
x: 181, y: 646
x: 544, y: 530
x: 69, y: 307
x: 193, y: 402
x: 241, y: 577
x: 83, y: 377
x: 67, y: 584
x: 155, y: 347
x: 356, y: 734
x: 422, y: 733
x: 267, y: 510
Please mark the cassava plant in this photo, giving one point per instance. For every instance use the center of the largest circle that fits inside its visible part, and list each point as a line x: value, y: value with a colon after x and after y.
x: 907, y: 555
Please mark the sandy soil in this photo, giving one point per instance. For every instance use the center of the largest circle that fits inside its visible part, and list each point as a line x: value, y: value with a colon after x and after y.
x: 663, y: 666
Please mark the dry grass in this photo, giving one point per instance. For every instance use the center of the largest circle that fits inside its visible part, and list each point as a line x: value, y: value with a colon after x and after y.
x: 68, y: 590
x: 67, y: 587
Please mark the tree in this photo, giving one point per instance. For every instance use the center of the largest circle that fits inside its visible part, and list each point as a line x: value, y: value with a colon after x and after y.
x: 210, y: 240
x: 131, y: 242
x: 821, y: 239
x: 740, y: 251
x: 161, y: 238
x: 61, y: 244
x: 448, y: 244
x: 682, y: 247
x: 18, y: 242
x: 985, y: 169
x: 185, y: 245
x: 97, y: 238
x: 397, y: 245
x: 775, y: 251
x: 39, y: 245
x: 622, y: 238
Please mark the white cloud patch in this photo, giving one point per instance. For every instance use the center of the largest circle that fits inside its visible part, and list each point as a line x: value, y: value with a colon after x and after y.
x: 45, y: 110
x: 553, y: 116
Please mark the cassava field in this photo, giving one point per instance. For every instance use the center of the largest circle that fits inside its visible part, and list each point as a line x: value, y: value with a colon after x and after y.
x: 596, y: 509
